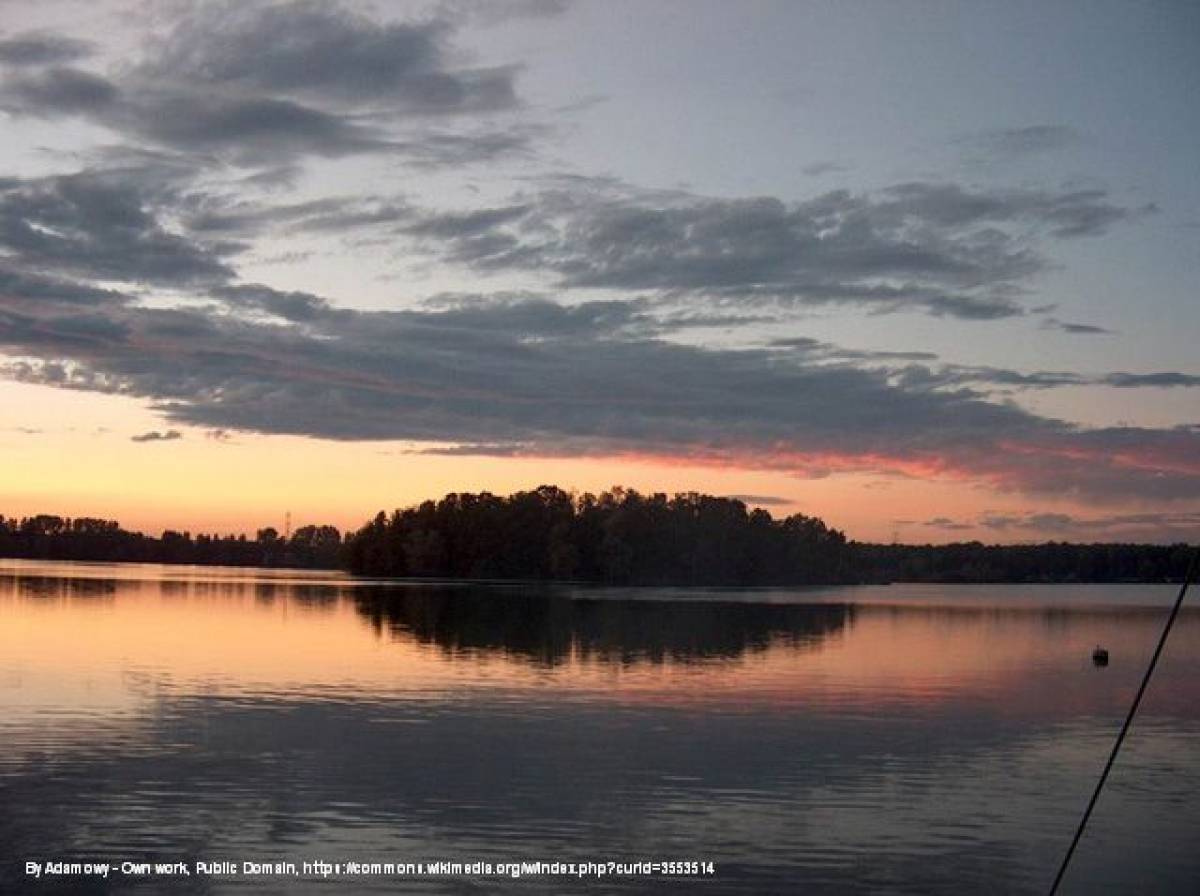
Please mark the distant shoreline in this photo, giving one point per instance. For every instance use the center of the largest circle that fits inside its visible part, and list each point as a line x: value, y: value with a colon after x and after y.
x: 616, y: 538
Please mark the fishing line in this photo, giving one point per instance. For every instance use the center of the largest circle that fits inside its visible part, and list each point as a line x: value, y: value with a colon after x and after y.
x: 1087, y: 813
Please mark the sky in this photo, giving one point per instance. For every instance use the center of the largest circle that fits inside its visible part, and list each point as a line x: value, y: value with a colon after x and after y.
x: 924, y: 270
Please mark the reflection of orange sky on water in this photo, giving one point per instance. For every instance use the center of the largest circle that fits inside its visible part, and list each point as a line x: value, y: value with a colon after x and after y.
x: 116, y: 651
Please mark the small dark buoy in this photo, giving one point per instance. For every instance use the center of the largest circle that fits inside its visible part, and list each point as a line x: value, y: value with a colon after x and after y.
x: 1100, y: 656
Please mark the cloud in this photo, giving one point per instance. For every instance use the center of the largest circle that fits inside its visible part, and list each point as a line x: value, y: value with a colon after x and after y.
x: 763, y: 500
x: 946, y: 524
x: 217, y: 214
x: 266, y: 85
x: 523, y: 375
x: 816, y: 348
x: 946, y: 376
x: 942, y: 249
x: 466, y: 226
x: 101, y: 225
x: 122, y: 277
x: 817, y: 169
x: 1053, y: 323
x: 247, y: 130
x: 61, y: 91
x: 1162, y: 526
x: 539, y: 378
x: 291, y: 306
x: 1070, y: 213
x: 170, y: 435
x: 42, y: 48
x: 1048, y: 522
x: 437, y: 149
x: 323, y: 51
x: 244, y: 130
x: 36, y: 287
x: 493, y: 12
x: 1165, y: 379
x: 935, y: 247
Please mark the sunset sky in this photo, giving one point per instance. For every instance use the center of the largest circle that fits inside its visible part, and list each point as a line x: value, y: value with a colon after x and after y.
x: 925, y: 270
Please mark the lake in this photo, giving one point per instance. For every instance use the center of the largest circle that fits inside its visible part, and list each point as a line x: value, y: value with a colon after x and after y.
x: 904, y: 738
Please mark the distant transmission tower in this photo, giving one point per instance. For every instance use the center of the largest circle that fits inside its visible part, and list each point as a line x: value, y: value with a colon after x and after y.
x: 287, y: 526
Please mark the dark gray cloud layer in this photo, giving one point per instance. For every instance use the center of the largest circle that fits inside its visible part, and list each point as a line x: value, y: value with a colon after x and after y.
x: 1165, y: 379
x: 318, y: 51
x: 42, y: 48
x: 61, y: 91
x: 940, y: 248
x: 537, y: 378
x: 268, y: 84
x: 521, y: 375
x: 1053, y: 323
x: 103, y: 226
x: 944, y: 376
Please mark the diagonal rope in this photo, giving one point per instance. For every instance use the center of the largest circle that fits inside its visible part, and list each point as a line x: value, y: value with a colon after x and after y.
x: 1162, y: 640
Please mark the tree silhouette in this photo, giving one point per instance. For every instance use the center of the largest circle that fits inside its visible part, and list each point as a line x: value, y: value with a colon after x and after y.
x: 619, y: 537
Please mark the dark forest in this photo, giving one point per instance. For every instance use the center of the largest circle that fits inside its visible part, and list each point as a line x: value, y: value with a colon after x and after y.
x: 619, y: 537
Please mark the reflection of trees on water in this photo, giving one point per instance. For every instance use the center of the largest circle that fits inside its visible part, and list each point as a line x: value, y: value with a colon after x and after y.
x: 1054, y: 618
x: 550, y: 630
x: 56, y: 588
x: 52, y: 587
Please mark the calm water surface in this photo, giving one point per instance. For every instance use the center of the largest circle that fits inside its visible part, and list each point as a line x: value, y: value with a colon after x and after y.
x: 924, y: 739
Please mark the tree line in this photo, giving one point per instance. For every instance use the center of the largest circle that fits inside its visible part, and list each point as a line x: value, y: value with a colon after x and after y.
x: 50, y: 537
x: 1054, y: 561
x: 624, y: 537
x: 618, y: 537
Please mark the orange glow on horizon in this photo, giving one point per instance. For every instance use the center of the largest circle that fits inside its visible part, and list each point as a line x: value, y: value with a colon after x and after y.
x: 73, y: 456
